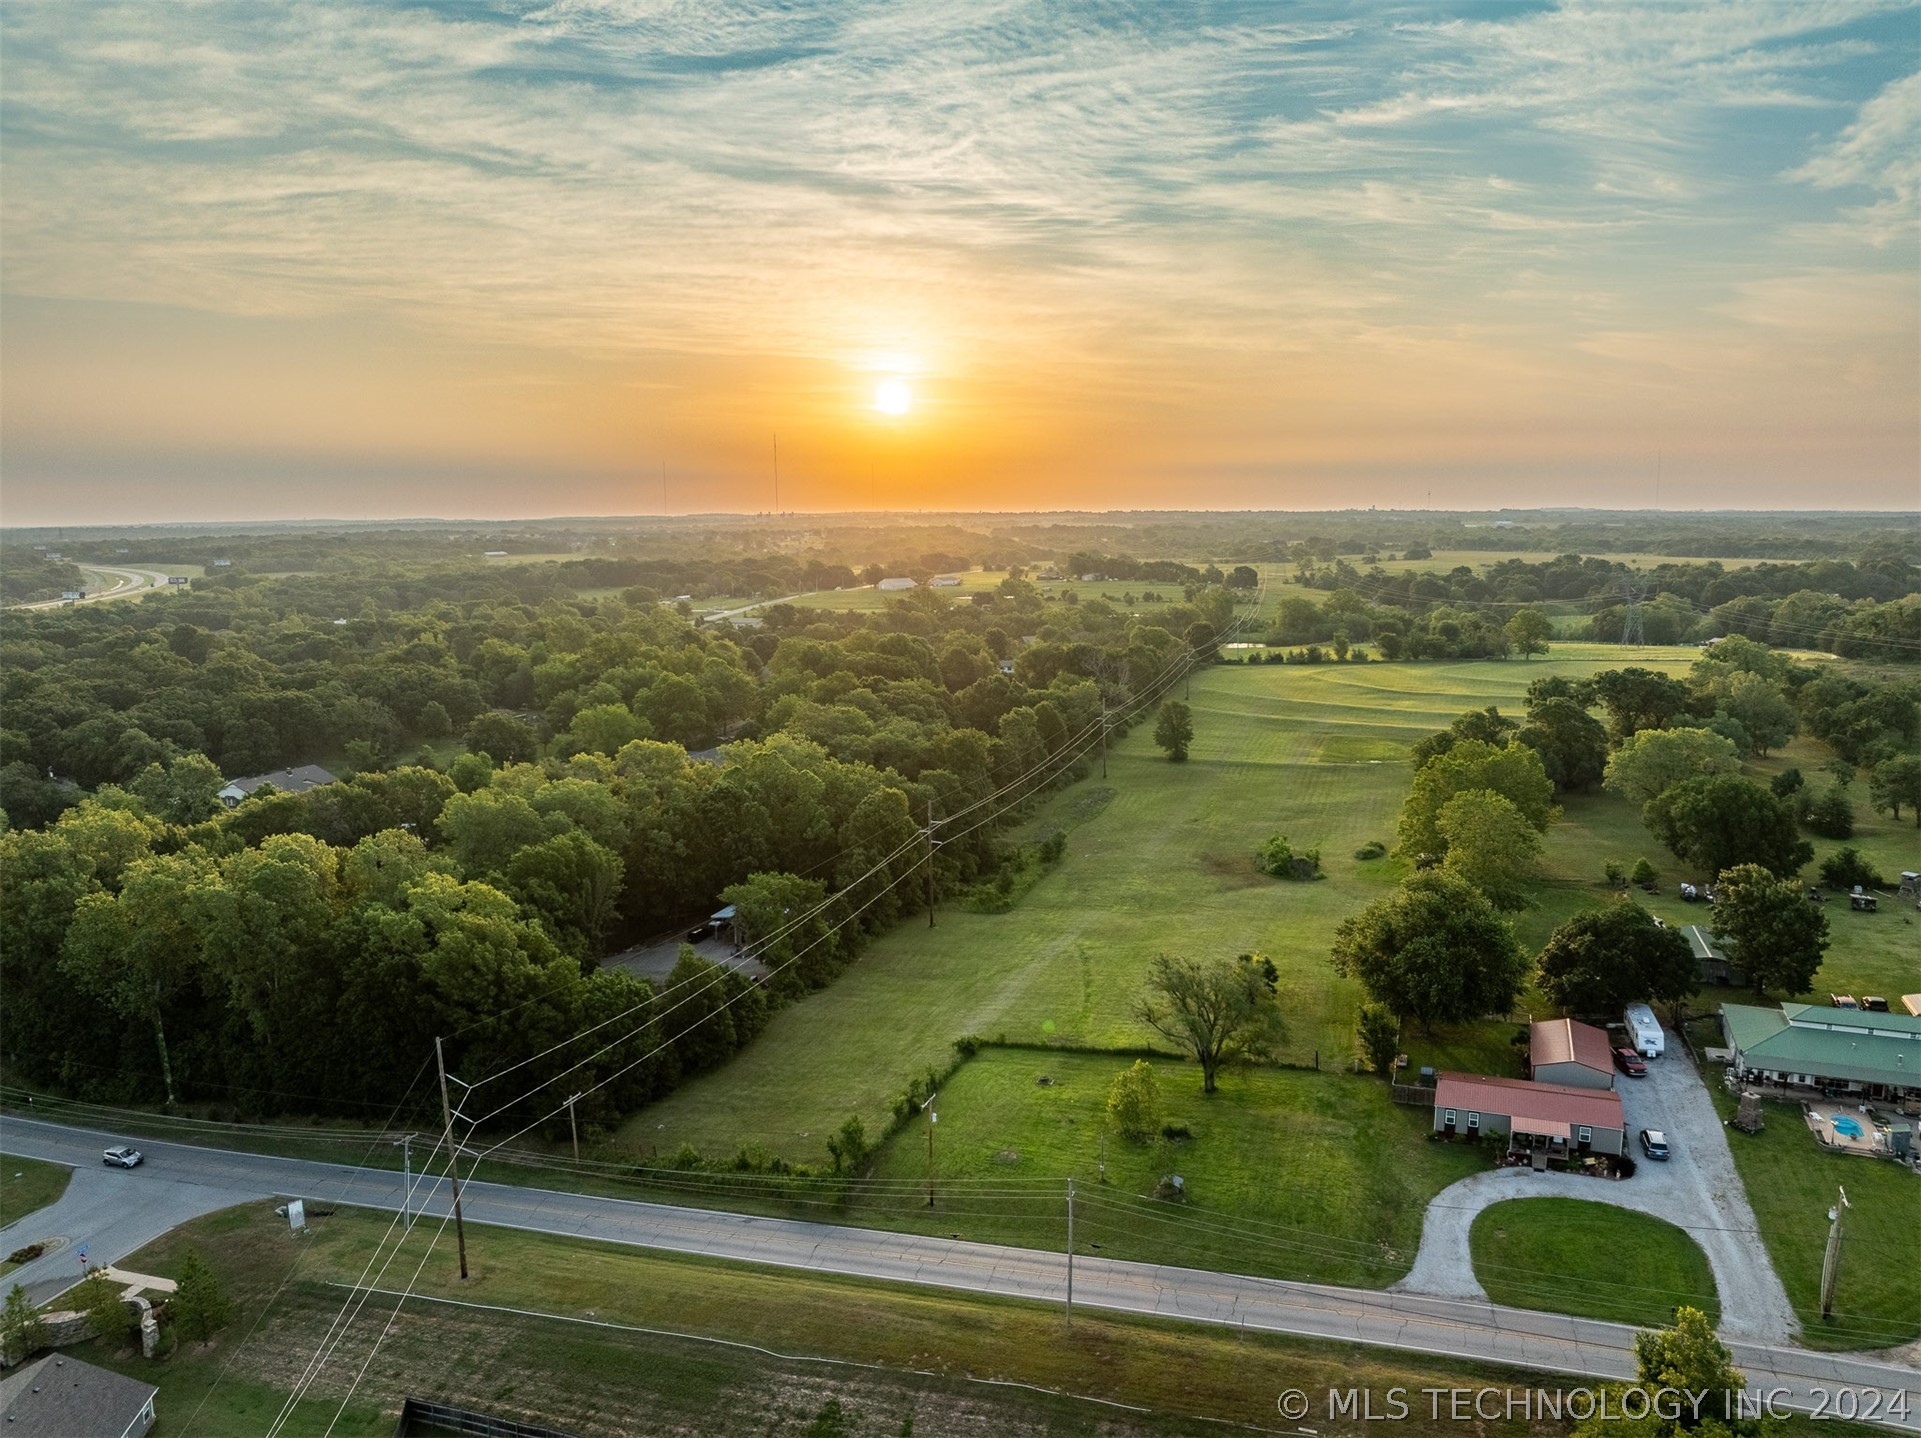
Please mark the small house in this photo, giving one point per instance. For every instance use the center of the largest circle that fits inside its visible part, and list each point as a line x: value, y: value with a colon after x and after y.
x: 1563, y: 1052
x: 947, y: 581
x: 1552, y: 1122
x: 69, y: 1398
x: 286, y: 781
x: 896, y: 583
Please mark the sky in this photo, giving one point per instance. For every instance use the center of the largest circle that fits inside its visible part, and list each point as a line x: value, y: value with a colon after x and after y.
x: 492, y: 260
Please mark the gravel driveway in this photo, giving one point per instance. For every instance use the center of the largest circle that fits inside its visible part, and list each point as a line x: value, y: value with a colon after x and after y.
x: 1698, y: 1189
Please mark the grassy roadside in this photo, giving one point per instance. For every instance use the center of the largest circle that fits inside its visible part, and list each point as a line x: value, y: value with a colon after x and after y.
x: 1568, y: 1255
x: 1792, y: 1182
x: 28, y: 1184
x: 940, y: 1356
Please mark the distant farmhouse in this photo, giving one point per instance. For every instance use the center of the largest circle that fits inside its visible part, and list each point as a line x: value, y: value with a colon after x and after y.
x: 947, y: 581
x: 899, y: 581
x: 63, y: 1397
x: 1836, y: 1051
x: 287, y: 781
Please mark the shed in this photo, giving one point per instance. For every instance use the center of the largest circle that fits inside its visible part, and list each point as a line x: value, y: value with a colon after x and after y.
x: 1563, y: 1052
x: 1711, y: 962
x: 898, y: 582
x: 64, y: 1397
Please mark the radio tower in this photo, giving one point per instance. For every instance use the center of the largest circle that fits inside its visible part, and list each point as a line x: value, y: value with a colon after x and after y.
x: 1632, y: 630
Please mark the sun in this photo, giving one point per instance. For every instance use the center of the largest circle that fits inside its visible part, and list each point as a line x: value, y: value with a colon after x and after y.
x: 894, y: 396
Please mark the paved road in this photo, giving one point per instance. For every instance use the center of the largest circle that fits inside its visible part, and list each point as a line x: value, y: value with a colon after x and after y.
x: 128, y: 582
x: 210, y: 1178
x: 1697, y: 1189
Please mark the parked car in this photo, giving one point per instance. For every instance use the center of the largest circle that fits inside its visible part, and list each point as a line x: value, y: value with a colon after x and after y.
x: 1629, y: 1063
x: 120, y: 1156
x: 1654, y: 1144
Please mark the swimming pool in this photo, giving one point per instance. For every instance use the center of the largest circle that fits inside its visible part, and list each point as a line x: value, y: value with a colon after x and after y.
x: 1847, y: 1126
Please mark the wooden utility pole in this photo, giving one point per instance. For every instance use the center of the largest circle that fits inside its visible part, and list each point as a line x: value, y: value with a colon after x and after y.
x: 932, y: 1119
x: 453, y: 1155
x: 1831, y: 1261
x: 1103, y: 741
x: 573, y: 1129
x: 1070, y: 1253
x: 406, y: 1142
x: 930, y: 863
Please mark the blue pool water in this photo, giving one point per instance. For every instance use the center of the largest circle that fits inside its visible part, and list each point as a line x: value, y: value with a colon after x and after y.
x: 1847, y: 1126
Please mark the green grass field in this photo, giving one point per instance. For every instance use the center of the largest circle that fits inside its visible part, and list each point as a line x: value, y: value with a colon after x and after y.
x: 1163, y: 863
x: 1566, y: 1255
x: 1792, y: 1182
x: 27, y: 1184
x: 947, y: 1361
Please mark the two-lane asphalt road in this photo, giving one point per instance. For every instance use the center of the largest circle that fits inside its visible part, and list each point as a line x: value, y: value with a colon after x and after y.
x: 180, y: 1180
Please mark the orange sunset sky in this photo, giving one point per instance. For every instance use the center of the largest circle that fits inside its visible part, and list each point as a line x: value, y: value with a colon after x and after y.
x: 266, y: 261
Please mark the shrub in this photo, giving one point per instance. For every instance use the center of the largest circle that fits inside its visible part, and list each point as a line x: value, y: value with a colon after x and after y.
x: 1372, y: 849
x: 1617, y: 877
x: 1277, y: 857
x: 1178, y: 1132
x: 200, y: 1305
x: 1134, y: 1102
x: 1786, y: 782
x: 849, y: 1147
x: 1054, y: 847
x: 1846, y: 867
x: 1644, y: 873
x: 1380, y: 1035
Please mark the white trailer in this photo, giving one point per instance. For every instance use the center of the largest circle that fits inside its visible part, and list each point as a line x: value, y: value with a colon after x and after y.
x: 1644, y: 1031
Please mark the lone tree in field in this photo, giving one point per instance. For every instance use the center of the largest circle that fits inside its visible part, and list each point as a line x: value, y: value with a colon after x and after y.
x: 1221, y: 1010
x: 1529, y: 631
x: 1770, y: 929
x: 1174, y: 730
x: 1603, y: 959
x: 1435, y: 950
x: 200, y: 1305
x: 1134, y: 1103
x: 1895, y: 782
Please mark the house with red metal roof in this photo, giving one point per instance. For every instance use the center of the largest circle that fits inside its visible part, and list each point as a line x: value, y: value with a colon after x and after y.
x: 1564, y: 1052
x: 1554, y: 1122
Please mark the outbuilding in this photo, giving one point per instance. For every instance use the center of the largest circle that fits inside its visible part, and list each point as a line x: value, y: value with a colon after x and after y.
x: 1552, y: 1122
x: 1711, y: 962
x: 1564, y: 1052
x: 895, y: 584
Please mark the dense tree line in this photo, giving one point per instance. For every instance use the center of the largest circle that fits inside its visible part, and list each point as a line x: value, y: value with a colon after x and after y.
x: 300, y: 950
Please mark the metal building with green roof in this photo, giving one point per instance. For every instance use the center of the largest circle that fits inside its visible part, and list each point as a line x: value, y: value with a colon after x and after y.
x: 1850, y: 1051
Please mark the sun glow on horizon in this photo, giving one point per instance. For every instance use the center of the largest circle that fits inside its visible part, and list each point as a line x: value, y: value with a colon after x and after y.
x: 894, y: 396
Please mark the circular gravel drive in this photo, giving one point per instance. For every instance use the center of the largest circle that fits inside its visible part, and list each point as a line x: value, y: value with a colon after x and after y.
x: 1697, y: 1189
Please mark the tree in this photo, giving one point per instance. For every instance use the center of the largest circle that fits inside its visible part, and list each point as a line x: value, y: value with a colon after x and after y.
x: 1435, y: 950
x: 1604, y: 959
x: 1529, y: 631
x: 200, y: 1305
x: 1769, y: 929
x: 1638, y: 699
x: 1380, y: 1035
x: 108, y: 1315
x: 1653, y: 761
x: 1894, y: 782
x: 1491, y: 845
x: 503, y: 738
x: 1174, y: 730
x: 1758, y: 704
x: 1717, y: 822
x: 1221, y: 1010
x: 1134, y: 1103
x: 22, y: 1333
x: 1572, y: 743
x: 1695, y: 1373
x: 848, y: 1148
x: 1847, y: 867
x: 1644, y: 875
x: 1831, y: 814
x: 1489, y: 725
x: 1514, y: 772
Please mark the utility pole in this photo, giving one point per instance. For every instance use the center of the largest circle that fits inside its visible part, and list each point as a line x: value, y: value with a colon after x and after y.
x: 1070, y: 1253
x: 453, y: 1155
x: 573, y: 1129
x: 932, y: 1119
x: 930, y: 863
x: 406, y: 1142
x: 777, y: 474
x: 1103, y: 740
x: 1831, y: 1262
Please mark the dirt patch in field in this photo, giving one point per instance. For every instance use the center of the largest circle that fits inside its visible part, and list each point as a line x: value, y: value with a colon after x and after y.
x: 1233, y: 871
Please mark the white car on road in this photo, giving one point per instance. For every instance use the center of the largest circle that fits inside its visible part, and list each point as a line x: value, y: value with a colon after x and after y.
x: 120, y: 1156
